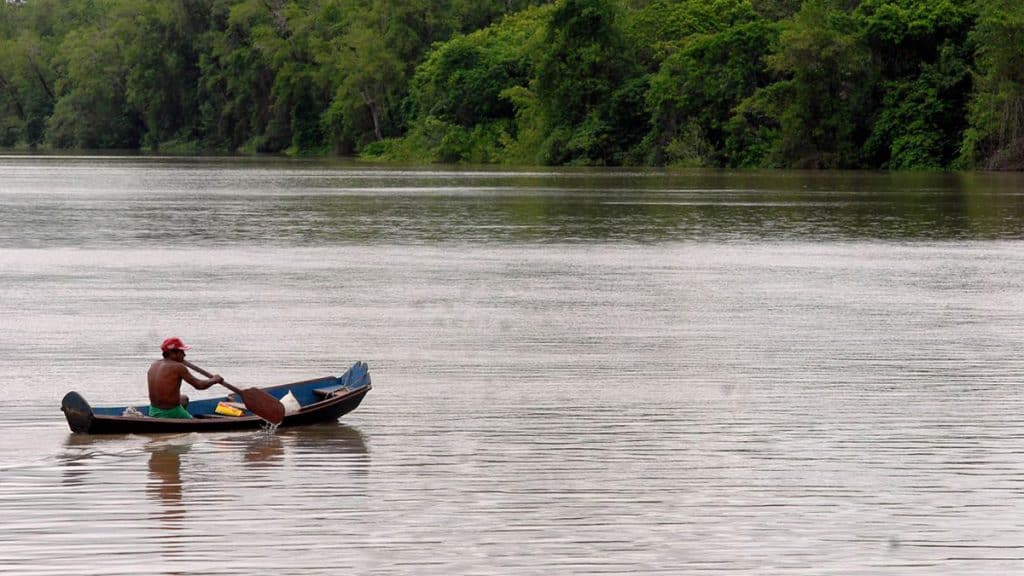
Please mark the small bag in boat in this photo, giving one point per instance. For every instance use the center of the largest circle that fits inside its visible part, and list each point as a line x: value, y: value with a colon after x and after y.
x: 291, y: 403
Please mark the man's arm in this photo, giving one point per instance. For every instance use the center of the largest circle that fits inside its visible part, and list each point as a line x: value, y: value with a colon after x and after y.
x: 196, y: 382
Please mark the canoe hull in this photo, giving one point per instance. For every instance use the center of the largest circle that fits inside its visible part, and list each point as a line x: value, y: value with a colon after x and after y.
x: 322, y: 400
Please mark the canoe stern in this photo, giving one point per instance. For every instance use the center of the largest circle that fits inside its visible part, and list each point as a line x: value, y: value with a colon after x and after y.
x: 78, y: 412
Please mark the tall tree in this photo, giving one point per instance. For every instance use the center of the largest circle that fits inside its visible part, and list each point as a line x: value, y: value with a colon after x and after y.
x: 921, y: 68
x: 995, y: 138
x: 236, y: 79
x: 376, y: 56
x: 458, y: 100
x: 700, y: 83
x: 593, y: 110
x: 163, y: 41
x: 26, y: 75
x: 91, y: 109
x: 819, y: 102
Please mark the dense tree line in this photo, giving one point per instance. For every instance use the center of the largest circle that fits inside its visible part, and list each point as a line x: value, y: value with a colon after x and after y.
x: 738, y: 83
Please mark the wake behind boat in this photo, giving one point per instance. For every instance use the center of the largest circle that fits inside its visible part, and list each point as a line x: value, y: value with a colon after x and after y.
x: 318, y: 400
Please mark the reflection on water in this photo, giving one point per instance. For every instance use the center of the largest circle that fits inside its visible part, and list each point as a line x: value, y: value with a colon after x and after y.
x: 165, y: 488
x: 165, y: 480
x: 84, y: 204
x: 173, y: 493
x: 328, y: 437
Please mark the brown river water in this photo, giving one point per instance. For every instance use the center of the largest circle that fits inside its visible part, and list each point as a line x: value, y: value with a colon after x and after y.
x: 575, y: 371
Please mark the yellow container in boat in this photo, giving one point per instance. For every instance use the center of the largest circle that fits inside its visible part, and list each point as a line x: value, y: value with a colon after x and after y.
x: 228, y: 410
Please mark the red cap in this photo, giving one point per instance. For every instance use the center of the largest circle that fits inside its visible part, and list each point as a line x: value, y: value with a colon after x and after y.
x: 173, y: 343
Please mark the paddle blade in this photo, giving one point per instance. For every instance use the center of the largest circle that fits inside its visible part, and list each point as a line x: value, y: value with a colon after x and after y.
x: 263, y: 405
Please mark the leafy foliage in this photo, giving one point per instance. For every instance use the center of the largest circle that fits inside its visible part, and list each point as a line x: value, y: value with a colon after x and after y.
x: 584, y: 65
x: 995, y: 137
x: 694, y: 94
x: 899, y: 84
x: 922, y: 68
x: 824, y: 70
x: 458, y: 104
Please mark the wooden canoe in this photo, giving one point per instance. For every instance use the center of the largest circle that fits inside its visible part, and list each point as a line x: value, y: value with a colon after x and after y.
x: 321, y: 399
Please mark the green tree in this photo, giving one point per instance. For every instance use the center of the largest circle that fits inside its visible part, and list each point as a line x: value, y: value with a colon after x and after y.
x: 26, y: 76
x: 365, y: 106
x: 235, y: 79
x: 458, y: 99
x: 585, y: 87
x: 261, y: 83
x: 375, y: 56
x: 292, y: 46
x: 660, y: 28
x: 819, y: 105
x: 777, y: 9
x: 163, y: 41
x: 696, y: 90
x: 995, y: 137
x: 921, y: 63
x: 91, y: 109
x: 468, y: 16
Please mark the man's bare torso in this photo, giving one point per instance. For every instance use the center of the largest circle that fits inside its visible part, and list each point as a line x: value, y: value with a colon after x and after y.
x: 165, y: 383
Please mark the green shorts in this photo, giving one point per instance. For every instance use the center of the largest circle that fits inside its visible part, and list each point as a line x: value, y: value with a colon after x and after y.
x: 176, y: 412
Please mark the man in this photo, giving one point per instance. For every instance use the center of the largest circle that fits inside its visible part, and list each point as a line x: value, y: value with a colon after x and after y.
x: 165, y: 376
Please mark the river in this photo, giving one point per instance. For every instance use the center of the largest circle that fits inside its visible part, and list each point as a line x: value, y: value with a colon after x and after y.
x: 576, y: 371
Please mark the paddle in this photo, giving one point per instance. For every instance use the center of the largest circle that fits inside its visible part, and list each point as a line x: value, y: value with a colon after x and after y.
x: 257, y: 401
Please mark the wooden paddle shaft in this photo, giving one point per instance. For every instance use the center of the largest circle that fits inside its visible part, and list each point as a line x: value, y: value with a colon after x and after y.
x: 259, y: 402
x: 208, y: 375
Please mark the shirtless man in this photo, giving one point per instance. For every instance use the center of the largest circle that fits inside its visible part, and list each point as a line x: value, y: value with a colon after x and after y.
x: 165, y: 376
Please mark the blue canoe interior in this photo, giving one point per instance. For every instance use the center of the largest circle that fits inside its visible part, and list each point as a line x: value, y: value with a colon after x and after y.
x: 320, y: 399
